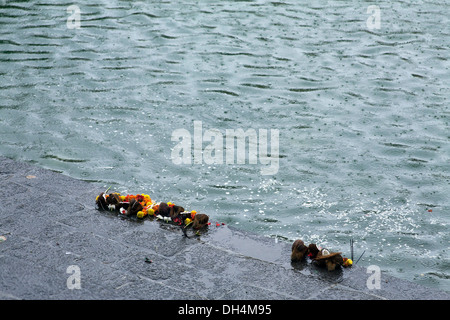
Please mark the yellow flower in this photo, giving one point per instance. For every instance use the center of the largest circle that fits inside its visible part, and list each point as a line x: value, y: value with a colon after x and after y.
x: 187, y: 221
x: 122, y: 198
x: 140, y: 214
x: 150, y: 211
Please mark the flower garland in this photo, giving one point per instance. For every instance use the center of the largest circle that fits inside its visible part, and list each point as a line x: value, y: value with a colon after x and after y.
x: 142, y: 206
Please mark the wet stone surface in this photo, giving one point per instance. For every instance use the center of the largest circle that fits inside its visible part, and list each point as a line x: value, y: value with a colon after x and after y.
x: 49, y: 223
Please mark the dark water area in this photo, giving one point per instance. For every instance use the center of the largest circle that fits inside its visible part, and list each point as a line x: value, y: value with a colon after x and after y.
x: 361, y: 111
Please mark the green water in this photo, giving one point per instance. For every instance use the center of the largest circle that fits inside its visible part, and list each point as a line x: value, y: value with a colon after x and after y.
x: 362, y: 113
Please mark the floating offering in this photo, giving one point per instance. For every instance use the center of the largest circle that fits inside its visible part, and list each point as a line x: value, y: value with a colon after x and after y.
x: 320, y: 256
x: 142, y: 206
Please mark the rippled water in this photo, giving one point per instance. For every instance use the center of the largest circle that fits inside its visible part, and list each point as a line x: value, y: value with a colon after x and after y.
x: 363, y: 114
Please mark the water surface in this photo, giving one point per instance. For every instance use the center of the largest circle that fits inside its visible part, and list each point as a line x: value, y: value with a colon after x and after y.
x: 363, y: 114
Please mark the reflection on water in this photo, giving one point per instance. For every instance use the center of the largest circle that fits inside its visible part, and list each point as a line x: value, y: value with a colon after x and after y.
x: 362, y: 113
